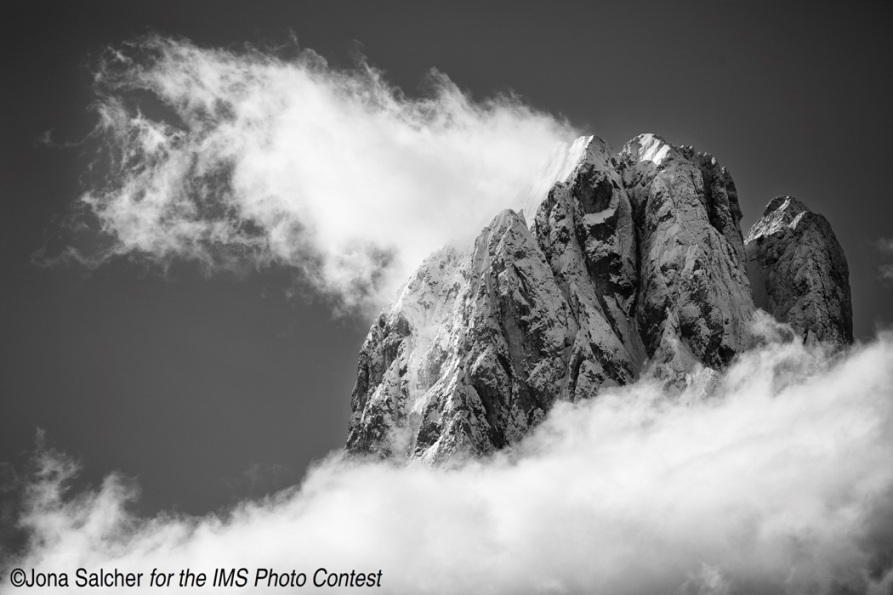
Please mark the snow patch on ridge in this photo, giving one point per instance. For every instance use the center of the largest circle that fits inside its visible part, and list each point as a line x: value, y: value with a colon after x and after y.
x: 648, y: 147
x: 781, y: 212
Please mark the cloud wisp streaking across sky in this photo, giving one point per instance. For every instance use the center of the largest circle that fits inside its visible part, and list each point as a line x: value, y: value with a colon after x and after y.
x: 777, y: 481
x: 885, y: 246
x: 244, y: 159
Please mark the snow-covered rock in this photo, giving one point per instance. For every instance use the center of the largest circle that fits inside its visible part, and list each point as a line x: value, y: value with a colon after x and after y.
x: 633, y: 264
x: 799, y: 273
x: 470, y: 356
x: 563, y: 163
x: 693, y: 282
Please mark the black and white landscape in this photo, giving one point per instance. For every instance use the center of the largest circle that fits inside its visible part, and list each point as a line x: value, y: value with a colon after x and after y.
x: 541, y: 298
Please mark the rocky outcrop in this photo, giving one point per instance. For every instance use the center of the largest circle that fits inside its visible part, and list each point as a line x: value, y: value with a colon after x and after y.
x: 472, y: 355
x: 633, y: 264
x: 799, y: 273
x: 586, y: 232
x: 693, y: 283
x: 402, y: 355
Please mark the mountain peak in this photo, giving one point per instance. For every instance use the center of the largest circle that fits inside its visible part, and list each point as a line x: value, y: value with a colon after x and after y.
x: 559, y: 170
x: 648, y: 147
x: 798, y: 272
x: 785, y: 203
x: 631, y: 266
x: 781, y: 213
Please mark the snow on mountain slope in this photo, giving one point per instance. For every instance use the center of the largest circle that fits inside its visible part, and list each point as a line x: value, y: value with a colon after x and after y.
x: 632, y: 264
x: 560, y: 168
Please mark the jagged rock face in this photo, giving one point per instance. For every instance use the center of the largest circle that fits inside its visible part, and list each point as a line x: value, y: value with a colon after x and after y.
x: 586, y: 232
x: 799, y: 272
x: 693, y: 282
x: 513, y: 328
x: 388, y: 369
x: 490, y: 367
x: 634, y: 264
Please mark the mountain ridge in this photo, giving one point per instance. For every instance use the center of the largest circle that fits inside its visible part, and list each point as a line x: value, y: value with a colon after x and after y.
x: 633, y: 264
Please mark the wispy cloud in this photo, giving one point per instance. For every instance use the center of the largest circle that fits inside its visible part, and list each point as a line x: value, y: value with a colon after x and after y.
x: 885, y: 245
x: 234, y: 159
x: 779, y: 481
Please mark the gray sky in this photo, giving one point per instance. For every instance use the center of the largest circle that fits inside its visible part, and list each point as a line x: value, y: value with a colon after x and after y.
x: 208, y: 390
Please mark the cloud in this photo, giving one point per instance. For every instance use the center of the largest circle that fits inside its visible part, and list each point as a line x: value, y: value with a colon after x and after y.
x: 885, y: 245
x: 243, y: 159
x: 778, y: 481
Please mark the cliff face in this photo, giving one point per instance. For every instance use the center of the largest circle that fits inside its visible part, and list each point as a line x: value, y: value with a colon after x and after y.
x: 470, y: 357
x: 799, y: 273
x: 693, y: 285
x: 634, y: 264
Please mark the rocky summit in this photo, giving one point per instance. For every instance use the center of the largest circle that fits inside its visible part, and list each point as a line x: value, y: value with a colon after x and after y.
x: 632, y: 264
x: 798, y: 272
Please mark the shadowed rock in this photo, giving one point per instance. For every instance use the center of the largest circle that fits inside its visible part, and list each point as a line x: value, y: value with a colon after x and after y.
x: 799, y: 272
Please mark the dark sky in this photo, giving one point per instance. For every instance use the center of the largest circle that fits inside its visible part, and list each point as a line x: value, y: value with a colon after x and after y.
x: 210, y: 390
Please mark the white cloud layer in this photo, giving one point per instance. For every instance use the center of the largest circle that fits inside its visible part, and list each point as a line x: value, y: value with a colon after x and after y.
x: 235, y: 159
x: 778, y: 481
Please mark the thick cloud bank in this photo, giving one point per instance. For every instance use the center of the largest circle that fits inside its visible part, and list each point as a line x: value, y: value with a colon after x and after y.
x: 778, y: 479
x: 234, y: 159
